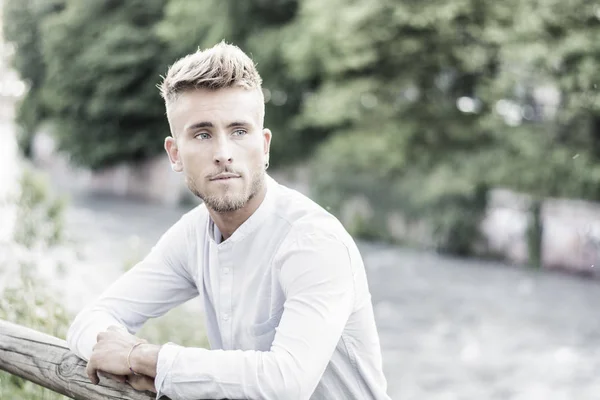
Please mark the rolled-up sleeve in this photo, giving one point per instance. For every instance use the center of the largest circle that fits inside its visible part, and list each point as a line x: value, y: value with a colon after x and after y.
x: 158, y: 283
x: 316, y: 275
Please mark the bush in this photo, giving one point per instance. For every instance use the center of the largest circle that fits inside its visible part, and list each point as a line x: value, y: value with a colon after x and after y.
x: 31, y: 302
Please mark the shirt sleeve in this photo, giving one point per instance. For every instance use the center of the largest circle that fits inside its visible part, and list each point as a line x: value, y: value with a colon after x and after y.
x: 318, y: 280
x: 152, y: 287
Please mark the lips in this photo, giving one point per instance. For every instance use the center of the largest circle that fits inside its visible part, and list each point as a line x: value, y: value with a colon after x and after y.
x: 224, y: 176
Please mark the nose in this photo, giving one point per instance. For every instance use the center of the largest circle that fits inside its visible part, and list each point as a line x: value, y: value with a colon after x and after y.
x: 223, y: 154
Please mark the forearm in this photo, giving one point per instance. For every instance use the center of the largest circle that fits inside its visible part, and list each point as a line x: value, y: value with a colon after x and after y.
x: 151, y: 288
x: 81, y: 336
x: 195, y: 373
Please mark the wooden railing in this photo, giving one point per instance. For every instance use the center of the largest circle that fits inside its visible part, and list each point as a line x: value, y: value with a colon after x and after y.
x: 46, y: 361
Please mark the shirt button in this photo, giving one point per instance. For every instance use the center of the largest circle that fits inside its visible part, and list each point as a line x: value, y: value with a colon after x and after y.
x: 225, y: 270
x: 226, y: 317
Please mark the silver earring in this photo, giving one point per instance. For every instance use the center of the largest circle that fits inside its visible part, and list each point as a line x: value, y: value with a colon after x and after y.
x: 267, y: 165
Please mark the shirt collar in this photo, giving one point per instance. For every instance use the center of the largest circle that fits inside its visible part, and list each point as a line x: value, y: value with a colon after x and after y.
x: 255, y: 220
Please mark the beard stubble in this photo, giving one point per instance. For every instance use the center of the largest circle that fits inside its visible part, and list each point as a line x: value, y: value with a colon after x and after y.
x: 228, y: 202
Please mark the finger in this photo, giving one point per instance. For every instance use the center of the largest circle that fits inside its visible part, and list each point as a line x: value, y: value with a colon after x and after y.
x: 141, y: 382
x: 118, y: 378
x: 135, y: 382
x: 92, y: 373
x: 100, y: 336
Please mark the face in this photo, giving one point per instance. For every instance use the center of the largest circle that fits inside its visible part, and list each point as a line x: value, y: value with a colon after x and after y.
x: 219, y: 144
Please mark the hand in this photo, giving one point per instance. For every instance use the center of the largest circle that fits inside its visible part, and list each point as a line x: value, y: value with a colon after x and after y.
x: 117, y: 378
x: 141, y: 382
x: 109, y: 355
x: 138, y: 382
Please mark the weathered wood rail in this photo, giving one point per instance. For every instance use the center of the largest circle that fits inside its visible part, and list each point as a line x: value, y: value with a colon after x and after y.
x: 48, y: 362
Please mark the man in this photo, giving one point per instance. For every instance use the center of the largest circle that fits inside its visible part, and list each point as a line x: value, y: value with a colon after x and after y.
x: 287, y: 307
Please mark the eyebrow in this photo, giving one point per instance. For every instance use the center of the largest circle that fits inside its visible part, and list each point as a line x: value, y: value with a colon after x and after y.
x: 204, y: 124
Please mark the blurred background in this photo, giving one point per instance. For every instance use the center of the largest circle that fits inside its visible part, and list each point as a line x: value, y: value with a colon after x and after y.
x: 458, y: 141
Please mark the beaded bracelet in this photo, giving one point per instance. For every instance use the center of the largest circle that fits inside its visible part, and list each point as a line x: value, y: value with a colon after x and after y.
x: 129, y: 355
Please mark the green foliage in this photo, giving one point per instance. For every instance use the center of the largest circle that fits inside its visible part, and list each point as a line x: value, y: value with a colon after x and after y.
x: 39, y: 215
x: 103, y: 61
x: 188, y: 25
x: 260, y: 29
x: 96, y: 65
x: 21, y: 27
x: 32, y: 304
x: 30, y: 301
x: 550, y: 46
x: 393, y: 95
x: 419, y: 105
x: 445, y: 199
x: 400, y: 138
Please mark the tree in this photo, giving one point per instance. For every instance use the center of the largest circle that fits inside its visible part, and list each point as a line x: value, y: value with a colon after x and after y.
x: 551, y: 55
x: 403, y: 86
x: 99, y: 62
x: 21, y: 25
x: 103, y: 61
x: 260, y: 29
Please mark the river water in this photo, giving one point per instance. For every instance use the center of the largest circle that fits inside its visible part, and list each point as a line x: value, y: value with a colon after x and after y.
x: 451, y: 329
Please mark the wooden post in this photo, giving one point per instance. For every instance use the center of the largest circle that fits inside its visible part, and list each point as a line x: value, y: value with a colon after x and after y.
x: 47, y: 361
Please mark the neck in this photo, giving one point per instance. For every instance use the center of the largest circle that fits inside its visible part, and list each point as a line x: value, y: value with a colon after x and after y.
x: 229, y: 222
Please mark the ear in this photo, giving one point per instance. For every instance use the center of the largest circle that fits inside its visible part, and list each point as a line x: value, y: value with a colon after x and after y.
x: 173, y: 153
x: 267, y: 135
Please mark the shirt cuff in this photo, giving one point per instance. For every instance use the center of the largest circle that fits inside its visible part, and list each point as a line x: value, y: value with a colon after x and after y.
x: 163, y: 380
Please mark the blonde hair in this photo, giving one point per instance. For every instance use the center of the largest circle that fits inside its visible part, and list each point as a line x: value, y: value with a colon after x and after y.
x: 219, y: 67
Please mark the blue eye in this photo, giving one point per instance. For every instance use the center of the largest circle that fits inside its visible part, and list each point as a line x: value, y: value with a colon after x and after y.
x: 239, y: 132
x: 202, y: 136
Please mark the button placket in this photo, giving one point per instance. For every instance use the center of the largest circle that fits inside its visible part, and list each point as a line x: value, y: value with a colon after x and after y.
x: 226, y: 293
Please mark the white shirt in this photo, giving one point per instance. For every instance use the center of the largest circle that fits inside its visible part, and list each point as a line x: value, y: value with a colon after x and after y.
x: 287, y: 308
